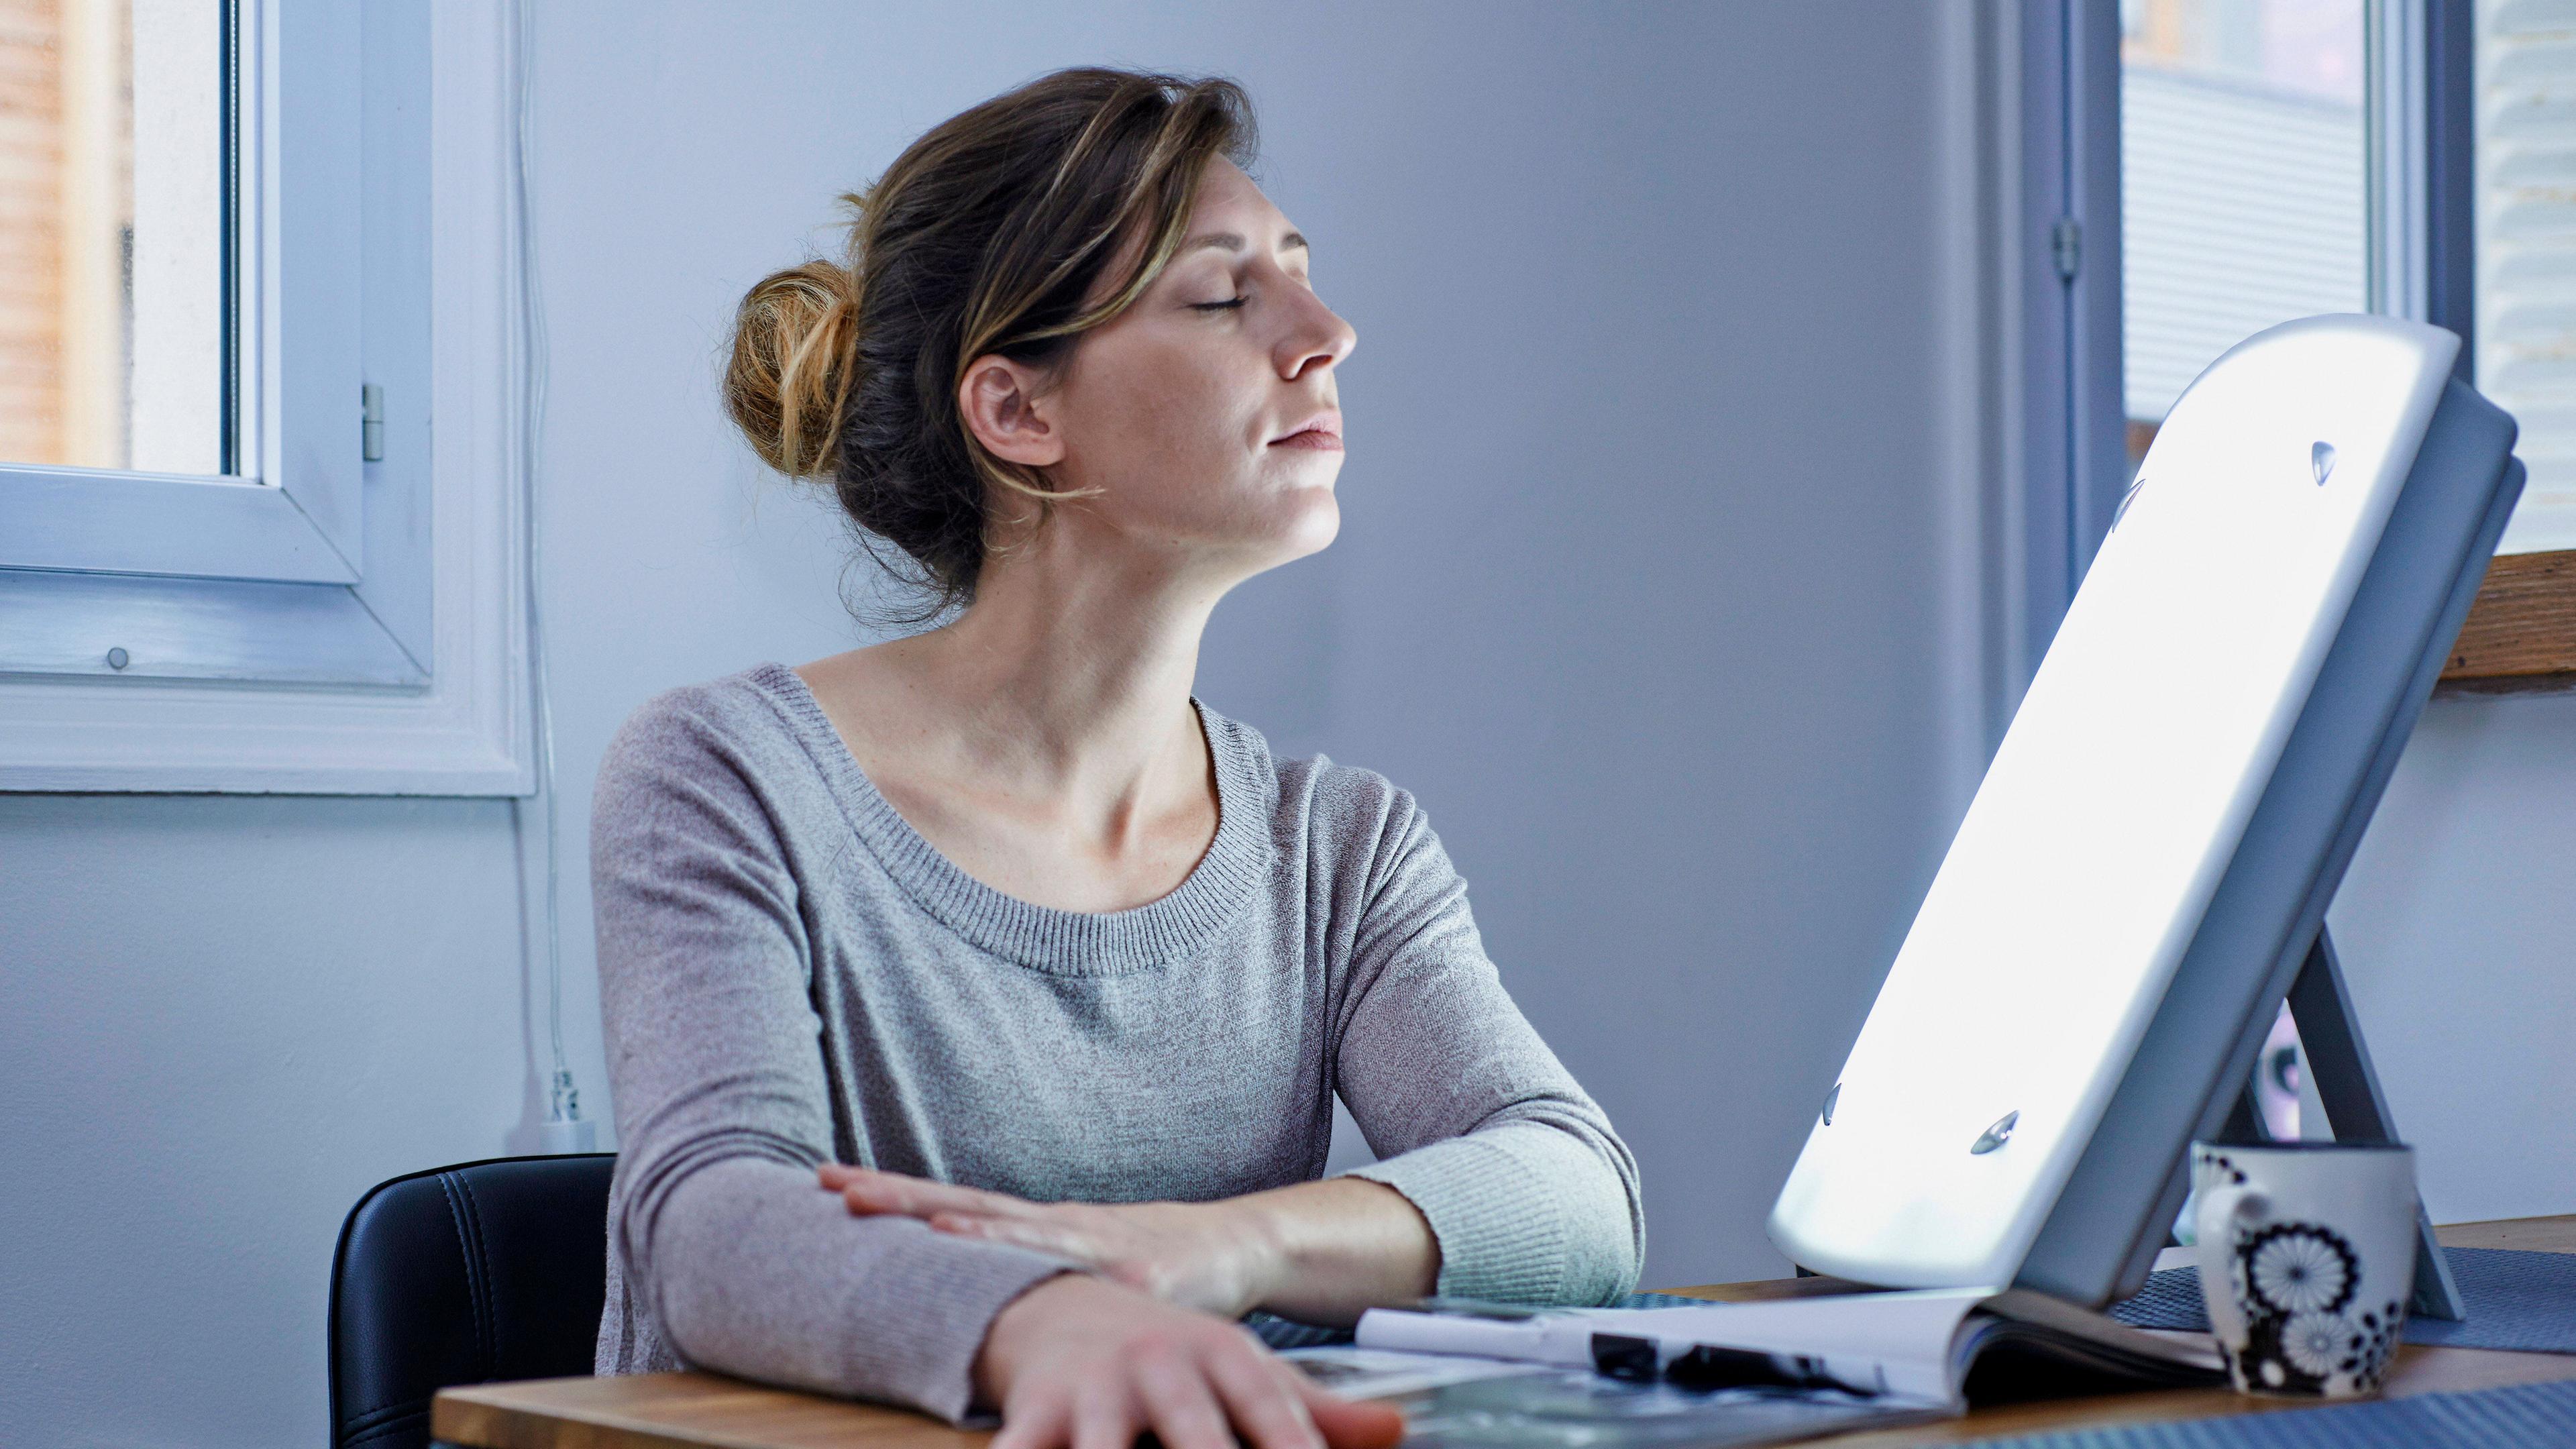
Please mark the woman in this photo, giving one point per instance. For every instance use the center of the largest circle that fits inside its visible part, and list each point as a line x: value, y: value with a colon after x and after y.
x: 976, y: 1001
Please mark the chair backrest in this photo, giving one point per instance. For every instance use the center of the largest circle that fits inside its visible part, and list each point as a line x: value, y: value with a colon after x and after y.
x: 464, y: 1275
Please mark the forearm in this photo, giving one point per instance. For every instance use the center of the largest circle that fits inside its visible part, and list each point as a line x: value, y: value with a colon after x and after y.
x: 757, y: 1272
x: 1333, y: 1248
x: 1525, y: 1211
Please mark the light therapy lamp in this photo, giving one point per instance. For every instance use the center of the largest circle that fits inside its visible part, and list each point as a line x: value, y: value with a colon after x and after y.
x: 2143, y: 875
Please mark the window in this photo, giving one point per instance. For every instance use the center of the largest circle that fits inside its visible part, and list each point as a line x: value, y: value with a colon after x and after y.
x: 2244, y: 190
x: 114, y: 343
x: 199, y: 346
x: 229, y: 559
x: 2526, y: 253
x: 2278, y: 159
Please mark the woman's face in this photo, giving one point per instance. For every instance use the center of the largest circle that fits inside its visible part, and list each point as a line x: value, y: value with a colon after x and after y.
x: 1207, y: 414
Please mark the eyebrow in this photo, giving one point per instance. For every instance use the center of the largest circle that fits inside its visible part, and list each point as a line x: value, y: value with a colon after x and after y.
x: 1232, y: 241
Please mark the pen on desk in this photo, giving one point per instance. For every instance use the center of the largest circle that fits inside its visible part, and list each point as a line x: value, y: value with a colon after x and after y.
x: 1706, y: 1366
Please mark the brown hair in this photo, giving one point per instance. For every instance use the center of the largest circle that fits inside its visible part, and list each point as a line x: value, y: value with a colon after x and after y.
x: 984, y: 237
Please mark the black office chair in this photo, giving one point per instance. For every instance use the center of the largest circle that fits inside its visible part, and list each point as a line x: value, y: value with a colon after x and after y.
x: 463, y: 1275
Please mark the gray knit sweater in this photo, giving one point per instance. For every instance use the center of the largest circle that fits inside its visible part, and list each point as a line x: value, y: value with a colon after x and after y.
x: 790, y: 975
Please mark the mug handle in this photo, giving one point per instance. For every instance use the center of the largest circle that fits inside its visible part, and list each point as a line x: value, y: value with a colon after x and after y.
x: 2232, y: 1203
x: 2222, y: 1209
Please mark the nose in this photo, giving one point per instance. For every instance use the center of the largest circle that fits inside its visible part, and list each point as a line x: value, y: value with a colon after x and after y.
x: 1318, y: 338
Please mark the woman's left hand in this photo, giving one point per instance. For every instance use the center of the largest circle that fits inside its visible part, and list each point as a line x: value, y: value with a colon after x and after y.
x: 1219, y: 1257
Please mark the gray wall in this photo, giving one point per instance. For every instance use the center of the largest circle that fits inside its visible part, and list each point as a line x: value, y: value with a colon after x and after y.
x: 1631, y: 591
x: 2457, y: 928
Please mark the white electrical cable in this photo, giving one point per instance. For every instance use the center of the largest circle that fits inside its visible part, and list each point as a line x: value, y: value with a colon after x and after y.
x: 565, y: 1129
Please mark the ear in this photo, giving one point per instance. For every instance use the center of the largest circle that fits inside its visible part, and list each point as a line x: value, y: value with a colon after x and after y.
x: 1000, y: 401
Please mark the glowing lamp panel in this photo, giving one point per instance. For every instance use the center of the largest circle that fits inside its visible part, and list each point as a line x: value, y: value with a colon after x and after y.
x: 2081, y: 871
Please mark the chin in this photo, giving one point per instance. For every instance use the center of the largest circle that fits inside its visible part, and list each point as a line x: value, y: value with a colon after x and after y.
x: 1289, y: 528
x: 1315, y: 523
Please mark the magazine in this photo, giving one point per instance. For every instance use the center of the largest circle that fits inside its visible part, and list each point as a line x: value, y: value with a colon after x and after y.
x: 1725, y: 1374
x: 1452, y: 1402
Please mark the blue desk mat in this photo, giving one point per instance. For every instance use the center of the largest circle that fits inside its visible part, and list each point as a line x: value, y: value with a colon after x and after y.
x: 2515, y: 1300
x: 1287, y: 1333
x: 2523, y: 1414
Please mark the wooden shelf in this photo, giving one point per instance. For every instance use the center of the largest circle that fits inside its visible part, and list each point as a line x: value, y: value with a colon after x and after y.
x: 2521, y: 633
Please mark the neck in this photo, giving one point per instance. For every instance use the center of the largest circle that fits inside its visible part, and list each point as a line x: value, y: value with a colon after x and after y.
x: 1070, y: 675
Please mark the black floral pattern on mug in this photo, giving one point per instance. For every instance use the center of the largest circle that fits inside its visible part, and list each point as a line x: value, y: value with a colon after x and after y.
x: 2295, y: 1283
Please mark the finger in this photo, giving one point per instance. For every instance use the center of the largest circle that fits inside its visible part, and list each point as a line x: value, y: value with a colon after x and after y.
x: 1259, y: 1397
x: 1040, y: 1420
x: 1351, y: 1423
x: 893, y: 1186
x: 891, y: 1192
x: 1036, y: 1233
x: 1104, y: 1415
x: 1177, y: 1401
x: 868, y: 1199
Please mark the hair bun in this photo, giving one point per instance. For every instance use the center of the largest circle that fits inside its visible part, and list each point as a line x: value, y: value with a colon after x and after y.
x: 795, y: 345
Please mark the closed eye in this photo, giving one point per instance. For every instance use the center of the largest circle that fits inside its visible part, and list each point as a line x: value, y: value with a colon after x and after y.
x: 1228, y: 305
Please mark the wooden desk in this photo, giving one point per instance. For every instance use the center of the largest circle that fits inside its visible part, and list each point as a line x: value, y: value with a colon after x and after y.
x: 705, y: 1411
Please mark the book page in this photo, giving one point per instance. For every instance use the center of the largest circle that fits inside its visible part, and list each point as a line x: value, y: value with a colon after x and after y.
x: 1460, y: 1402
x: 1908, y: 1335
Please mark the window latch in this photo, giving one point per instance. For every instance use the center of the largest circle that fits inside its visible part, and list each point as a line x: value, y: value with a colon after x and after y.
x: 371, y: 422
x: 2066, y: 247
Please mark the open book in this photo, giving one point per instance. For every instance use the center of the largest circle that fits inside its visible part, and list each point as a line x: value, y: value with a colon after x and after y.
x: 1740, y: 1373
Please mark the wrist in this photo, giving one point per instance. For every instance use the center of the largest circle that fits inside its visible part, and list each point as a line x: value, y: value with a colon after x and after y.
x: 1343, y: 1245
x: 1021, y: 1323
x: 1257, y: 1235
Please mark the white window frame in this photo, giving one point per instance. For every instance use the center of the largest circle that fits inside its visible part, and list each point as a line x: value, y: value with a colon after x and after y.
x: 2397, y: 116
x: 2033, y: 438
x: 323, y: 624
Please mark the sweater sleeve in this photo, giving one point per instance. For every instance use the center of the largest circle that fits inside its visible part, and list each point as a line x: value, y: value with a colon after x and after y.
x: 729, y: 1246
x: 1530, y: 1194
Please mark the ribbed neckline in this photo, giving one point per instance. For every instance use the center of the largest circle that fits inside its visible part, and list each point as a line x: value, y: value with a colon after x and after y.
x: 1072, y: 943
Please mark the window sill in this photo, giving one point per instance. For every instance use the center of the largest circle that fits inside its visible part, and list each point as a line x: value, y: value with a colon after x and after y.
x: 2520, y: 637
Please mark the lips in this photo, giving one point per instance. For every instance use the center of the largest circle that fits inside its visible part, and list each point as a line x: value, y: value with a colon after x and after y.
x: 1321, y: 433
x: 1314, y: 438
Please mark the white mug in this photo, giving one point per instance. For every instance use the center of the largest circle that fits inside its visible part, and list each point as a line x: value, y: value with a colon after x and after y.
x: 2307, y: 1258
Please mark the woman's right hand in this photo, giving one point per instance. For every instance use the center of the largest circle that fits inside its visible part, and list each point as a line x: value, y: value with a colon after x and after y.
x: 1078, y: 1362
